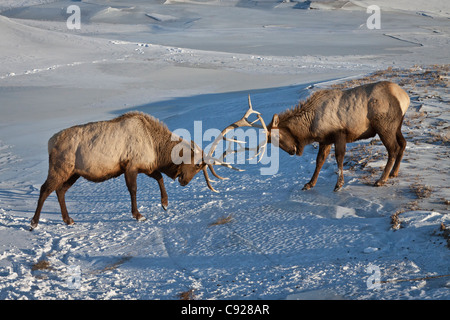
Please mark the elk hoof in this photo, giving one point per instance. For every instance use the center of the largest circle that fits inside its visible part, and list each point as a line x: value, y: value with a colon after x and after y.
x: 379, y: 183
x: 339, y: 184
x: 307, y: 186
x: 393, y: 175
x: 141, y: 218
x: 165, y: 204
x: 33, y: 225
x: 69, y: 222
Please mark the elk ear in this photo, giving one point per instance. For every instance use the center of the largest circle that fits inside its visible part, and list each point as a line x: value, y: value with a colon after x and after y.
x: 275, y: 121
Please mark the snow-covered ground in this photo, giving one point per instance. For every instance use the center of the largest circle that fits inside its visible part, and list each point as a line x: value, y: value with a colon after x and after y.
x: 185, y: 61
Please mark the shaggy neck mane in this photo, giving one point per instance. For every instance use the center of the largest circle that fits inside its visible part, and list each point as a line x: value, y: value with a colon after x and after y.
x: 162, y: 139
x: 159, y: 134
x: 159, y: 128
x: 304, y: 109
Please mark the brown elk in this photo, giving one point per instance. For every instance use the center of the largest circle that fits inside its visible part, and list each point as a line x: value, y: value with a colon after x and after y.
x: 342, y: 116
x: 129, y: 144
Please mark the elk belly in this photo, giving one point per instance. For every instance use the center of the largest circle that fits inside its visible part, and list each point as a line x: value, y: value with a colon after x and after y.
x: 97, y: 165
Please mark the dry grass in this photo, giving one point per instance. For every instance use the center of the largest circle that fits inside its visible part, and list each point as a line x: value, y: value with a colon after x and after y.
x: 112, y: 266
x: 359, y: 156
x: 187, y: 295
x: 395, y: 221
x: 41, y: 265
x: 415, y: 77
x: 413, y: 206
x: 421, y: 191
x: 445, y: 233
x: 222, y: 220
x: 439, y: 138
x: 115, y: 265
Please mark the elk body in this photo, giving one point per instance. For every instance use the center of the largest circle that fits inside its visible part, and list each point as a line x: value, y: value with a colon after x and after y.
x: 130, y: 144
x: 342, y: 116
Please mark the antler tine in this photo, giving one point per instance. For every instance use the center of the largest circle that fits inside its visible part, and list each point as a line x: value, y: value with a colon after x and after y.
x: 264, y: 144
x: 241, y: 149
x: 224, y: 164
x: 208, y: 182
x: 210, y: 166
x: 250, y: 104
x: 260, y: 148
x: 263, y: 125
x: 243, y: 122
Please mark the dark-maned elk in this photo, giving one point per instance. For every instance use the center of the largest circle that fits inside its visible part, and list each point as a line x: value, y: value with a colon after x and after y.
x: 342, y: 116
x: 129, y: 144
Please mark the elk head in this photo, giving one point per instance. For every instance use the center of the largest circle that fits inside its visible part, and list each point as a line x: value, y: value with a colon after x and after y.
x: 282, y: 137
x: 191, y: 161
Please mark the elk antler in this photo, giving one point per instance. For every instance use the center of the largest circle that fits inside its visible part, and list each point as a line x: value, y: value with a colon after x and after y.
x: 243, y: 122
x: 260, y: 149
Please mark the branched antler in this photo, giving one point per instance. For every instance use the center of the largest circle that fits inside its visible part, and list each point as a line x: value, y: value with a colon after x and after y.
x: 243, y: 122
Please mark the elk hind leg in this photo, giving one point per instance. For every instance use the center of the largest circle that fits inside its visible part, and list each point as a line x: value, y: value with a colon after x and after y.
x: 46, y: 190
x: 54, y: 181
x: 339, y: 146
x: 393, y: 148
x: 60, y: 193
x: 402, y: 144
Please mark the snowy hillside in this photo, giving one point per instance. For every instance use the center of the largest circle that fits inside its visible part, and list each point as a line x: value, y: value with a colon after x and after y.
x: 261, y: 237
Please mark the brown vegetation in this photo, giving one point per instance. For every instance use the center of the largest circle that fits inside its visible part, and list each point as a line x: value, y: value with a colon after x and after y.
x: 395, y: 220
x: 222, y: 220
x: 41, y: 265
x: 445, y: 233
x: 421, y: 191
x: 415, y: 77
x: 187, y: 295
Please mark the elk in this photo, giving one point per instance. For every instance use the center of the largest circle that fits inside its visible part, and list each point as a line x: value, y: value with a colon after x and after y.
x: 129, y: 144
x: 342, y: 116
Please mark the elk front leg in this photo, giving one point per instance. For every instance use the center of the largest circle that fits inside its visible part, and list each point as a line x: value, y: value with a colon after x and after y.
x: 322, y: 155
x: 130, y: 179
x: 164, y: 198
x: 339, y: 146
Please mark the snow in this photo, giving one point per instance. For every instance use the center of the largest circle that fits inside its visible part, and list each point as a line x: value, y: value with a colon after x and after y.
x: 186, y: 61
